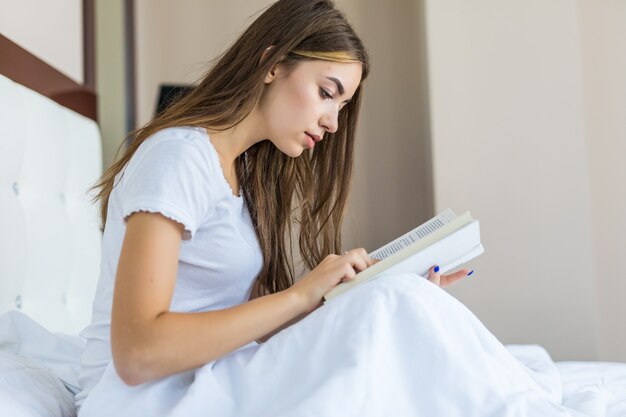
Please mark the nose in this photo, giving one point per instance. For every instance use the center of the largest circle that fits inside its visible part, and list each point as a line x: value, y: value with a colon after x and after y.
x: 330, y: 120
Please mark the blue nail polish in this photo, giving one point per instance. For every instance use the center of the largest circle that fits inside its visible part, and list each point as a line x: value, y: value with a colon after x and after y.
x: 470, y: 273
x: 437, y: 268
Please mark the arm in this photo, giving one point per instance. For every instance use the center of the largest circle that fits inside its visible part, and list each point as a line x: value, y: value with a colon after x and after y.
x: 254, y: 294
x: 284, y: 326
x: 147, y: 340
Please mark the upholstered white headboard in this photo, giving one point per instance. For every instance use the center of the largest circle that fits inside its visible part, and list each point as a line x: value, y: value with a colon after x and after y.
x: 49, y: 237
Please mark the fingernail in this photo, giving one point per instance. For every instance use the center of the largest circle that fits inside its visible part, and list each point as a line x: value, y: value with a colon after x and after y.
x: 437, y: 268
x: 470, y: 273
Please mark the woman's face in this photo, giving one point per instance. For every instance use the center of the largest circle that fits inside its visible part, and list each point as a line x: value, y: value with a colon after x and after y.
x: 306, y: 101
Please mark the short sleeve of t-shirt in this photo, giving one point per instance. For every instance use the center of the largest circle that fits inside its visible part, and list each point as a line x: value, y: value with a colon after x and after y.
x: 170, y: 174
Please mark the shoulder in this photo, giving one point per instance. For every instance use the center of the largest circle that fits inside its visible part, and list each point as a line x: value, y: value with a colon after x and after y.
x: 179, y: 157
x: 189, y: 133
x: 172, y: 172
x: 171, y: 138
x: 169, y: 148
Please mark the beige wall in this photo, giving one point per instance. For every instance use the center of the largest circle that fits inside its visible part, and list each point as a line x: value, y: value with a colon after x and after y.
x: 110, y: 76
x: 393, y: 180
x: 53, y: 33
x: 176, y: 40
x: 603, y: 31
x: 517, y: 101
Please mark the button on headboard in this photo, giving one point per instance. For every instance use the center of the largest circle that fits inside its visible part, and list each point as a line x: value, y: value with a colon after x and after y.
x: 49, y: 237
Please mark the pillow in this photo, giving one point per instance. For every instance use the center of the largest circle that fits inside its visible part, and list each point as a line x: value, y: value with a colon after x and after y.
x: 31, y: 390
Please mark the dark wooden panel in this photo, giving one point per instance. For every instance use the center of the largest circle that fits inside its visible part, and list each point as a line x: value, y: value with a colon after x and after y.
x: 129, y: 55
x: 89, y: 44
x: 25, y: 68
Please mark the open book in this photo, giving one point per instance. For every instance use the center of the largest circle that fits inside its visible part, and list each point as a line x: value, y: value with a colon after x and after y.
x: 446, y: 240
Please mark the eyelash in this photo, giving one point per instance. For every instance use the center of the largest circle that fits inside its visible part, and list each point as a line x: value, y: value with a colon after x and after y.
x: 325, y: 94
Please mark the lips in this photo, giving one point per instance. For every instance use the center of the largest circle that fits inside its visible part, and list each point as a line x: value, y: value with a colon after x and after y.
x: 309, y: 141
x: 314, y: 137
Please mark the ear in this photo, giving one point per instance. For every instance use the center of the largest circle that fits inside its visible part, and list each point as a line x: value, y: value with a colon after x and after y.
x: 272, y: 73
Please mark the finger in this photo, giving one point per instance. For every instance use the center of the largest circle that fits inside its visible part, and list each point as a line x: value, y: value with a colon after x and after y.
x: 365, y: 256
x: 357, y: 261
x: 358, y: 258
x: 433, y: 276
x: 434, y: 270
x: 452, y: 278
x: 348, y: 273
x: 361, y: 253
x: 370, y: 261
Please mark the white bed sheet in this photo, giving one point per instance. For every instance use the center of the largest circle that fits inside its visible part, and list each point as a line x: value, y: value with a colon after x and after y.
x: 596, y: 388
x: 36, y: 365
x: 606, y: 380
x: 38, y: 369
x: 28, y: 389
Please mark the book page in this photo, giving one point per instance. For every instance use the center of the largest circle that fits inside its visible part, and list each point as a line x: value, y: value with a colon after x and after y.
x: 414, y: 235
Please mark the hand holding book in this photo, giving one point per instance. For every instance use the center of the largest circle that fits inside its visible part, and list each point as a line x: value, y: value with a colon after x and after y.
x: 446, y: 238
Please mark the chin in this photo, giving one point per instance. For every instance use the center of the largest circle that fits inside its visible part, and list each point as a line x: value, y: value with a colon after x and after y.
x: 293, y: 151
x: 297, y: 154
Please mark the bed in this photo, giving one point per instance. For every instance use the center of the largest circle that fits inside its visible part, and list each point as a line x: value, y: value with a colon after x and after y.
x: 50, y: 153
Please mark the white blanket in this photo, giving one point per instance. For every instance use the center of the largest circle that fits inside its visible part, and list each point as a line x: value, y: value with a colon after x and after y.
x: 22, y: 336
x: 395, y: 346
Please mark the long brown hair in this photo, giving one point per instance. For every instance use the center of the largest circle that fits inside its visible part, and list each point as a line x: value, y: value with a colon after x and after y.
x: 314, y: 186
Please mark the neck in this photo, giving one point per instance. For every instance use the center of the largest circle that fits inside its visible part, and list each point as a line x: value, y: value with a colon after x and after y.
x: 234, y: 141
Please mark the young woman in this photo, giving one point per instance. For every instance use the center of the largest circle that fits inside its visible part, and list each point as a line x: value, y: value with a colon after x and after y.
x: 197, y: 275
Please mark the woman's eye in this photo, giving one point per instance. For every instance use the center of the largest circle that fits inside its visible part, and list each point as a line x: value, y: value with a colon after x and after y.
x: 325, y: 94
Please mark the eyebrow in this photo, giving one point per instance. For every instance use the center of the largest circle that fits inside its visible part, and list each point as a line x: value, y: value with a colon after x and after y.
x: 339, y: 87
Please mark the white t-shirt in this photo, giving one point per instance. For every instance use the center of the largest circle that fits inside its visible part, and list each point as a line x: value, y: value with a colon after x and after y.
x: 177, y: 173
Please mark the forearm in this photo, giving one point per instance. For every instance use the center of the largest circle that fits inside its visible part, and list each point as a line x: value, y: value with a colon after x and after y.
x: 256, y: 293
x: 176, y: 342
x: 266, y: 337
